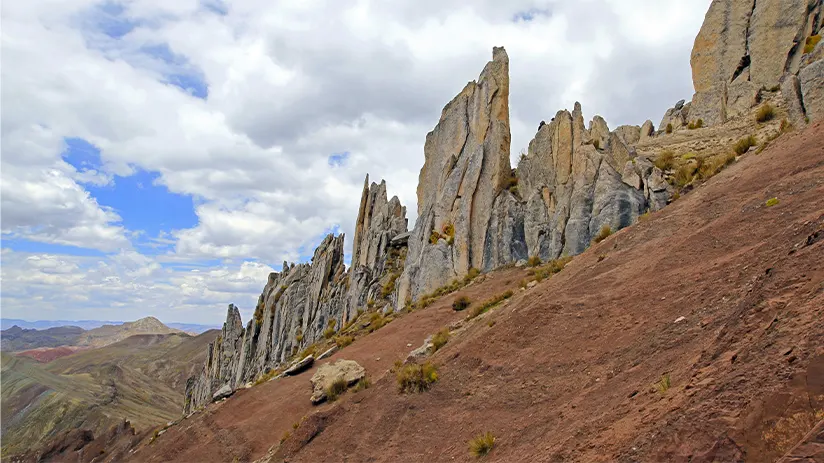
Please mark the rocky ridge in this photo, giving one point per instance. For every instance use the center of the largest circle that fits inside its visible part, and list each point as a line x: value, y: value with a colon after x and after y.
x: 747, y: 47
x: 302, y: 301
x: 575, y: 180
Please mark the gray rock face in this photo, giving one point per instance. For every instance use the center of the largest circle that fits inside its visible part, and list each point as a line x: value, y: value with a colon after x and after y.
x: 745, y: 46
x: 571, y: 189
x: 300, y: 302
x: 812, y: 89
x: 378, y: 256
x: 466, y: 166
x: 677, y: 117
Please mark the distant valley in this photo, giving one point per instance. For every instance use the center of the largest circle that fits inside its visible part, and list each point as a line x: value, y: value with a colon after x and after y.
x: 58, y: 379
x: 6, y: 323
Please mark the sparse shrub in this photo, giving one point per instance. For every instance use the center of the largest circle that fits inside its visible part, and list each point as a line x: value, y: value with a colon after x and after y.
x: 511, y: 181
x: 334, y: 390
x: 684, y: 175
x: 449, y: 233
x: 696, y: 124
x: 376, y: 321
x: 471, y: 275
x: 329, y: 332
x: 310, y: 350
x: 688, y: 156
x: 343, y: 341
x: 534, y: 261
x: 490, y: 323
x: 743, y: 145
x: 606, y: 230
x: 645, y: 216
x: 772, y: 202
x: 811, y: 42
x: 523, y: 283
x: 434, y: 237
x: 416, y: 378
x: 299, y: 336
x: 765, y: 113
x: 285, y: 437
x: 461, y: 303
x: 665, y: 161
x: 490, y: 303
x: 440, y: 339
x: 266, y: 377
x: 664, y: 383
x: 482, y: 444
x: 389, y: 287
x: 362, y: 384
x: 296, y: 425
x: 785, y: 126
x: 669, y: 128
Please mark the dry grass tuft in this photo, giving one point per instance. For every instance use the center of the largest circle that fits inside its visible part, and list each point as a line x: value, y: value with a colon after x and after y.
x: 606, y: 230
x: 416, y: 378
x: 665, y: 161
x: 336, y: 389
x: 461, y: 303
x: 765, y: 113
x: 481, y: 445
x: 743, y: 145
x: 440, y: 339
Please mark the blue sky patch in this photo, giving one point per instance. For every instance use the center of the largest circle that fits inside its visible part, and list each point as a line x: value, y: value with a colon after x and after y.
x: 139, y: 199
x: 529, y: 15
x: 81, y: 154
x: 216, y: 6
x: 339, y: 159
x: 110, y: 19
x: 184, y: 76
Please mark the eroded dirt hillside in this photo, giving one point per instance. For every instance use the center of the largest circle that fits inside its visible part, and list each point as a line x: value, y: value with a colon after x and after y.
x: 719, y: 292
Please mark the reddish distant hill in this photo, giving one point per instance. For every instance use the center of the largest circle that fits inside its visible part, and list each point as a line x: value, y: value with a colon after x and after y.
x: 47, y: 354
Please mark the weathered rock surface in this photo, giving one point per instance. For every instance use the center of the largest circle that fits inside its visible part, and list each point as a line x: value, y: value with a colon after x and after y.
x: 348, y: 370
x: 300, y: 366
x: 676, y: 117
x: 745, y: 46
x: 378, y: 256
x: 466, y: 167
x: 300, y: 302
x: 571, y: 189
x: 812, y: 89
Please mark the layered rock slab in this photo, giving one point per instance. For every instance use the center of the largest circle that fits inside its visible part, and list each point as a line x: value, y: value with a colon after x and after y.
x: 466, y: 167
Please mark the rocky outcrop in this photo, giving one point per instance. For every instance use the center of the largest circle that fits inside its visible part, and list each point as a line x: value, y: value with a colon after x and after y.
x: 572, y: 189
x: 299, y: 303
x: 676, y: 117
x: 347, y: 370
x: 466, y: 166
x: 377, y: 257
x: 747, y: 46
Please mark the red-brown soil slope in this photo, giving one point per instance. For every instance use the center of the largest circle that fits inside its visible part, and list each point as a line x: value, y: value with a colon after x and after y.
x: 720, y: 292
x: 47, y: 354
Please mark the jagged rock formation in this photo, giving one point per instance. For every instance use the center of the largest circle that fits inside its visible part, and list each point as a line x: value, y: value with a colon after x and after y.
x: 376, y: 261
x: 300, y: 302
x: 474, y: 211
x: 466, y: 166
x: 575, y: 180
x: 748, y: 46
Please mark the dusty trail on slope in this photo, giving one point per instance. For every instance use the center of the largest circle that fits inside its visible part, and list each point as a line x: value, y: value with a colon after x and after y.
x: 567, y: 372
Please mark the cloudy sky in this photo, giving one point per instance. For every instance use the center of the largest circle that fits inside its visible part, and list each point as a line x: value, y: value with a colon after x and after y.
x: 162, y: 157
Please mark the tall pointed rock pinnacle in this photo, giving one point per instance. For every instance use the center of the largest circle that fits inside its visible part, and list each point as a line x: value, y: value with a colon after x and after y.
x: 466, y: 166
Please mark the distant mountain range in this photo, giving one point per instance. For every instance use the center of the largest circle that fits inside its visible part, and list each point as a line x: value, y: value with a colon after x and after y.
x: 6, y: 323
